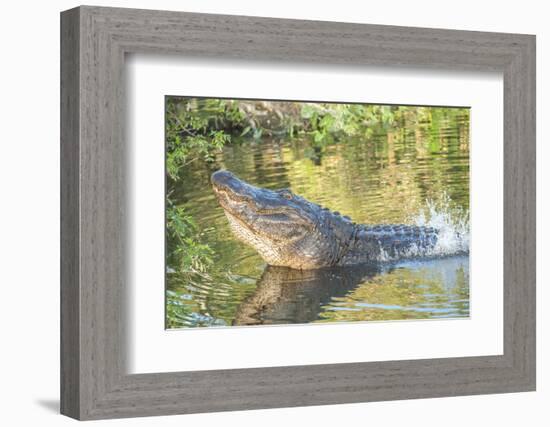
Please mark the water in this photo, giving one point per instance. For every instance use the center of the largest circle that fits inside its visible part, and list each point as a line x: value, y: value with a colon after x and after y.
x: 415, y: 173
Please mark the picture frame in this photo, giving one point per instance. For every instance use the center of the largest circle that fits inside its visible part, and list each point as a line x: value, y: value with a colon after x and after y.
x: 94, y: 268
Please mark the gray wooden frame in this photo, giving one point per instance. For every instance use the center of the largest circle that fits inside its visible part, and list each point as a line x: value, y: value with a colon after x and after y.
x: 94, y: 41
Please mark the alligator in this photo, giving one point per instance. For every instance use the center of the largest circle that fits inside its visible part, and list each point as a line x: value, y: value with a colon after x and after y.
x: 289, y: 231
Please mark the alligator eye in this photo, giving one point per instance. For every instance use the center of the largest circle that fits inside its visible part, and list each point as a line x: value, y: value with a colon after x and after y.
x: 286, y: 194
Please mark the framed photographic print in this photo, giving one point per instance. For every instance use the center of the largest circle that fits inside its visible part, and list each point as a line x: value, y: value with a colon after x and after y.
x: 261, y: 213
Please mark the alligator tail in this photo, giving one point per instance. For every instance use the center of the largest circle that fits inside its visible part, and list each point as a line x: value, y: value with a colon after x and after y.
x: 395, y: 240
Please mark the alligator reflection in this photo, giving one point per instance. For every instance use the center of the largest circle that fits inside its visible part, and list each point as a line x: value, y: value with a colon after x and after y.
x: 413, y: 289
x: 285, y: 295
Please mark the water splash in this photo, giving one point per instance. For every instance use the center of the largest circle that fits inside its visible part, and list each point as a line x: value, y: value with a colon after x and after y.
x: 452, y: 224
x: 452, y: 235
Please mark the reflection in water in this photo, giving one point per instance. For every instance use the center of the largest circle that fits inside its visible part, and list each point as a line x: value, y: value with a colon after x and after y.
x: 424, y: 289
x: 413, y: 290
x: 387, y: 177
x: 285, y: 295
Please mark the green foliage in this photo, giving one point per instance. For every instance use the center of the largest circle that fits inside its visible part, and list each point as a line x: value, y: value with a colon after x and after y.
x: 198, y: 129
x: 329, y: 123
x: 177, y: 312
x: 188, y: 254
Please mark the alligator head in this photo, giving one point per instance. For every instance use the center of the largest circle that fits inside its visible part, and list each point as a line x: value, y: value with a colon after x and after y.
x: 286, y: 229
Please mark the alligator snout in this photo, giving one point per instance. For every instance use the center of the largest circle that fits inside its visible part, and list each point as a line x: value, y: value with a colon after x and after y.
x: 226, y: 181
x: 223, y: 178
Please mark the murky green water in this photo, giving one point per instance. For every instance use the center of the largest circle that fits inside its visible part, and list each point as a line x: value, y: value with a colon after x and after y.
x: 386, y: 178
